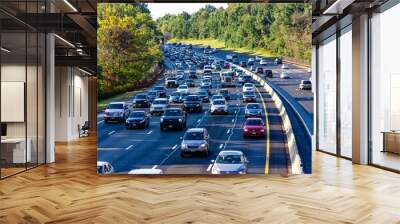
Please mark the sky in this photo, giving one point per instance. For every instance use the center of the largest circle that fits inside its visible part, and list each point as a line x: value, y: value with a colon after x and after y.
x: 160, y: 9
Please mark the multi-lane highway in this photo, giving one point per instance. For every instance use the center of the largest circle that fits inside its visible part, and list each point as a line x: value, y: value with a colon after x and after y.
x: 152, y: 148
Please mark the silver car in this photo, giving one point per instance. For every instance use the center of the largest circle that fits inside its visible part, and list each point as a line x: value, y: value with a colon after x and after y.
x: 230, y: 162
x: 158, y: 106
x: 195, y: 141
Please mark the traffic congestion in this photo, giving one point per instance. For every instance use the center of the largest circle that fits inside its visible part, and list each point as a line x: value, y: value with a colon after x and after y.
x: 203, y: 116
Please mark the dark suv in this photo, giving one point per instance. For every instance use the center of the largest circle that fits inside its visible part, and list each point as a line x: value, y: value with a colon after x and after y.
x: 141, y: 100
x: 161, y: 91
x: 193, y: 103
x: 173, y: 118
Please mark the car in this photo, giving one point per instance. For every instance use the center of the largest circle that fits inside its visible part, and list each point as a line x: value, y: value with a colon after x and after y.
x: 243, y: 64
x: 193, y: 103
x: 284, y: 75
x: 226, y: 65
x: 253, y: 127
x: 249, y: 97
x: 190, y: 83
x: 152, y: 95
x: 230, y: 162
x: 141, y: 100
x: 219, y: 106
x: 116, y: 111
x: 217, y: 97
x: 242, y: 79
x: 253, y: 110
x: 104, y: 167
x: 258, y: 58
x: 263, y: 62
x: 173, y: 118
x: 146, y: 171
x: 253, y: 68
x: 227, y: 79
x: 284, y: 66
x: 278, y: 61
x: 171, y: 82
x: 249, y: 87
x: 259, y: 70
x: 206, y: 88
x: 250, y: 61
x: 203, y: 95
x: 176, y: 97
x: 268, y: 73
x: 195, y: 140
x: 158, y: 106
x: 192, y: 74
x: 305, y: 85
x: 137, y: 119
x: 184, y: 89
x: 224, y: 93
x: 161, y: 91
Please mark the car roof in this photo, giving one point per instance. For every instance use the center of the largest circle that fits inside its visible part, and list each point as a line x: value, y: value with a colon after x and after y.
x: 195, y: 130
x: 174, y: 108
x: 117, y: 103
x: 253, y: 118
x: 146, y: 171
x: 100, y: 163
x: 230, y: 152
x: 160, y: 99
x: 249, y: 104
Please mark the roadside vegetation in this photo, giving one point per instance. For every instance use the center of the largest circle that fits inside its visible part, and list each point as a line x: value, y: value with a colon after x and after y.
x: 128, y: 42
x: 269, y: 29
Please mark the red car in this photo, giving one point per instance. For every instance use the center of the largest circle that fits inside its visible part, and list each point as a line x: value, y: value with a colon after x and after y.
x: 227, y: 65
x: 254, y: 127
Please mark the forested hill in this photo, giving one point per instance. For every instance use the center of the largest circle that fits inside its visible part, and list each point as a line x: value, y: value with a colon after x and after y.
x: 283, y: 29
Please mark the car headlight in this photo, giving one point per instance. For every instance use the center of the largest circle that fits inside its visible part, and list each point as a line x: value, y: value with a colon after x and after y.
x: 161, y: 119
x: 142, y: 121
x: 246, y: 129
x: 183, y: 146
x: 121, y: 113
x: 203, y: 145
x: 262, y: 130
x: 215, y: 170
x: 180, y: 120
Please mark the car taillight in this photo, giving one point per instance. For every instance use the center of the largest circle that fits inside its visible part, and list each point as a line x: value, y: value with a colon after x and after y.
x: 246, y: 129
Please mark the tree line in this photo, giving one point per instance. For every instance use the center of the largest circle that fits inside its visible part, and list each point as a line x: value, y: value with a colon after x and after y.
x: 128, y: 47
x: 283, y: 29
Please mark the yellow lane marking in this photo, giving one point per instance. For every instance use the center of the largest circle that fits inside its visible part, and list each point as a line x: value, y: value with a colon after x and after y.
x: 267, y: 129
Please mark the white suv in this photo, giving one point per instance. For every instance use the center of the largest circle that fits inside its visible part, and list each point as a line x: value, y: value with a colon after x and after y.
x: 158, y: 106
x: 219, y: 107
x: 116, y: 111
x: 249, y: 87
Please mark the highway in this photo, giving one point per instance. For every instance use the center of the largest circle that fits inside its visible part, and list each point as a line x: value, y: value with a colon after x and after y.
x: 153, y: 149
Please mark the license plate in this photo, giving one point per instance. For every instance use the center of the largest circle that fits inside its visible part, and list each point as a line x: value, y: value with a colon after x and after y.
x: 253, y: 132
x: 170, y: 126
x: 134, y: 125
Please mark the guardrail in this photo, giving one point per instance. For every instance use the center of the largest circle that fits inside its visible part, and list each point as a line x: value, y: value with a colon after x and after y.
x: 296, y: 166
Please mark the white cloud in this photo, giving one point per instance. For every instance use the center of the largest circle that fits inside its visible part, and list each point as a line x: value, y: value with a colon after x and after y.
x: 160, y: 9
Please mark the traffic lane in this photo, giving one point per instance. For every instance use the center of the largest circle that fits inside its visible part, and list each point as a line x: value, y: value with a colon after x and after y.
x: 278, y: 160
x: 217, y: 126
x: 148, y: 149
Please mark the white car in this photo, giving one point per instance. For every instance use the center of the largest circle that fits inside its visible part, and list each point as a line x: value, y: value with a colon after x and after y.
x: 116, y: 111
x: 230, y: 162
x: 104, y: 167
x: 305, y: 85
x: 158, y: 106
x: 183, y: 89
x: 219, y: 107
x: 249, y: 87
x: 146, y: 171
x: 284, y: 66
x: 284, y: 75
x: 251, y: 61
x: 258, y: 58
x: 217, y: 97
x: 263, y: 62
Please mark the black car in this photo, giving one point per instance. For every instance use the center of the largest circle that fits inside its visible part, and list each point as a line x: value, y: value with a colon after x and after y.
x: 189, y: 83
x: 141, y: 100
x: 152, y: 95
x: 137, y: 119
x: 225, y: 93
x: 173, y: 118
x: 203, y: 95
x: 171, y: 82
x: 278, y: 61
x: 160, y: 91
x: 193, y: 103
x: 249, y: 97
x: 243, y: 64
x: 268, y: 73
x: 259, y: 70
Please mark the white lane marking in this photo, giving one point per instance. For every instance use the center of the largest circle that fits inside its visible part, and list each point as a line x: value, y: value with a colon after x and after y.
x: 209, y: 167
x: 233, y: 120
x: 100, y: 122
x: 129, y: 147
x: 108, y: 149
x: 221, y: 145
x: 198, y: 121
x: 150, y: 132
x: 169, y: 155
x: 229, y: 130
x: 235, y: 111
x: 154, y: 167
x: 175, y: 146
x: 111, y: 132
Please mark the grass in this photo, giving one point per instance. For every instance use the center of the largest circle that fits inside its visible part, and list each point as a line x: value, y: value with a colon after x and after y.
x: 221, y: 45
x: 101, y: 104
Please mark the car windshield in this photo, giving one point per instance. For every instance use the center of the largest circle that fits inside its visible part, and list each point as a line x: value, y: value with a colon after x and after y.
x: 172, y: 79
x: 254, y: 122
x: 223, y: 91
x: 141, y: 96
x: 115, y: 106
x: 201, y: 93
x: 306, y: 82
x: 175, y: 94
x: 173, y: 112
x: 159, y: 102
x: 192, y: 98
x: 248, y: 85
x: 217, y: 97
x: 137, y: 114
x: 229, y: 159
x: 158, y: 88
x: 194, y: 135
x: 183, y: 87
x: 152, y: 93
x: 253, y: 106
x: 219, y: 102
